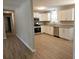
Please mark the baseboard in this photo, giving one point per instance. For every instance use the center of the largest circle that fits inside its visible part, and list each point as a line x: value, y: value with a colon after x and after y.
x: 32, y: 50
x: 64, y: 38
x: 4, y: 38
x: 56, y: 36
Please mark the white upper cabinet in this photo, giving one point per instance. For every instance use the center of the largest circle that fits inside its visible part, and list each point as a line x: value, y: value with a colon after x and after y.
x: 66, y: 15
x: 36, y: 15
x: 41, y: 16
x: 44, y: 17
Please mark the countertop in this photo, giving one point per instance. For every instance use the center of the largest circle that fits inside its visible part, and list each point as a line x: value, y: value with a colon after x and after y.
x: 37, y: 26
x: 60, y: 25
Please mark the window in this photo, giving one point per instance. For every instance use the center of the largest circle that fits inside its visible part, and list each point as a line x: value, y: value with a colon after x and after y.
x: 49, y: 16
x: 53, y: 15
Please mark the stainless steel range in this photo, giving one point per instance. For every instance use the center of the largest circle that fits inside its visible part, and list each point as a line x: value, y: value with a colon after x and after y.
x: 37, y: 27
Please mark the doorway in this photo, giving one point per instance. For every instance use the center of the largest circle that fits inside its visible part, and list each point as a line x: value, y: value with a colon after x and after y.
x: 9, y: 22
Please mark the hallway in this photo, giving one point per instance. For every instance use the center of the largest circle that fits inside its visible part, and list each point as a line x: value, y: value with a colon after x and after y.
x: 13, y: 48
x: 47, y: 47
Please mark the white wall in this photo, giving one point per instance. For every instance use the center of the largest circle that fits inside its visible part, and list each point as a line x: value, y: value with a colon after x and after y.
x: 24, y: 24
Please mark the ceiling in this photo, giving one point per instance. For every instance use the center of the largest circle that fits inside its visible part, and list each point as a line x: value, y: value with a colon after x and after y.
x: 51, y: 3
x: 13, y: 4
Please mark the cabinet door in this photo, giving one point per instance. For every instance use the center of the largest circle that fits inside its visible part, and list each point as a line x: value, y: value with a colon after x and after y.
x: 71, y: 34
x: 73, y: 14
x: 44, y: 17
x: 46, y: 29
x: 70, y: 14
x: 61, y: 15
x: 36, y: 15
x: 66, y: 15
x: 61, y: 32
x: 42, y: 29
x: 51, y: 30
x: 66, y: 33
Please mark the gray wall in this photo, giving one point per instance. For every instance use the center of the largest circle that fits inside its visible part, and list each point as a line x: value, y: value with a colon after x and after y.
x: 4, y: 33
x: 24, y: 24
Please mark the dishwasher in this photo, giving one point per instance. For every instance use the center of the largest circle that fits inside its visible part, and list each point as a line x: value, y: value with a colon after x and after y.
x: 56, y: 31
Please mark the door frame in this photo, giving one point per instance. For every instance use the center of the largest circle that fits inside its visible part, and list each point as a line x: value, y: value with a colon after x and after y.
x: 13, y: 19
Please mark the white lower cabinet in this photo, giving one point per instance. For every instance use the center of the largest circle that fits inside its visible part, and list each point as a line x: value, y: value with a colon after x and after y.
x: 42, y: 29
x: 61, y: 32
x: 50, y: 30
x: 67, y: 33
x: 47, y: 29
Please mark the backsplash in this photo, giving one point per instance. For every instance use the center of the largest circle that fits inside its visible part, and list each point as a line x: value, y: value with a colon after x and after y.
x: 67, y: 22
x: 61, y: 22
x: 44, y: 22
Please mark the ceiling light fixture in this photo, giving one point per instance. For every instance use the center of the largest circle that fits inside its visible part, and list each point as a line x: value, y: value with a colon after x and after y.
x: 41, y: 8
x: 52, y: 9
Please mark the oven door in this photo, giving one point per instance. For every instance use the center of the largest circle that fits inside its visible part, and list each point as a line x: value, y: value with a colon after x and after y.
x: 36, y: 30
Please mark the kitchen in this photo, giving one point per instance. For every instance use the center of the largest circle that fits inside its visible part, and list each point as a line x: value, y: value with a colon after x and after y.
x: 58, y: 22
x: 47, y: 35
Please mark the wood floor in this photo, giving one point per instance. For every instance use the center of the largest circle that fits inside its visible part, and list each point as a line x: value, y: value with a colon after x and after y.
x: 47, y: 47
